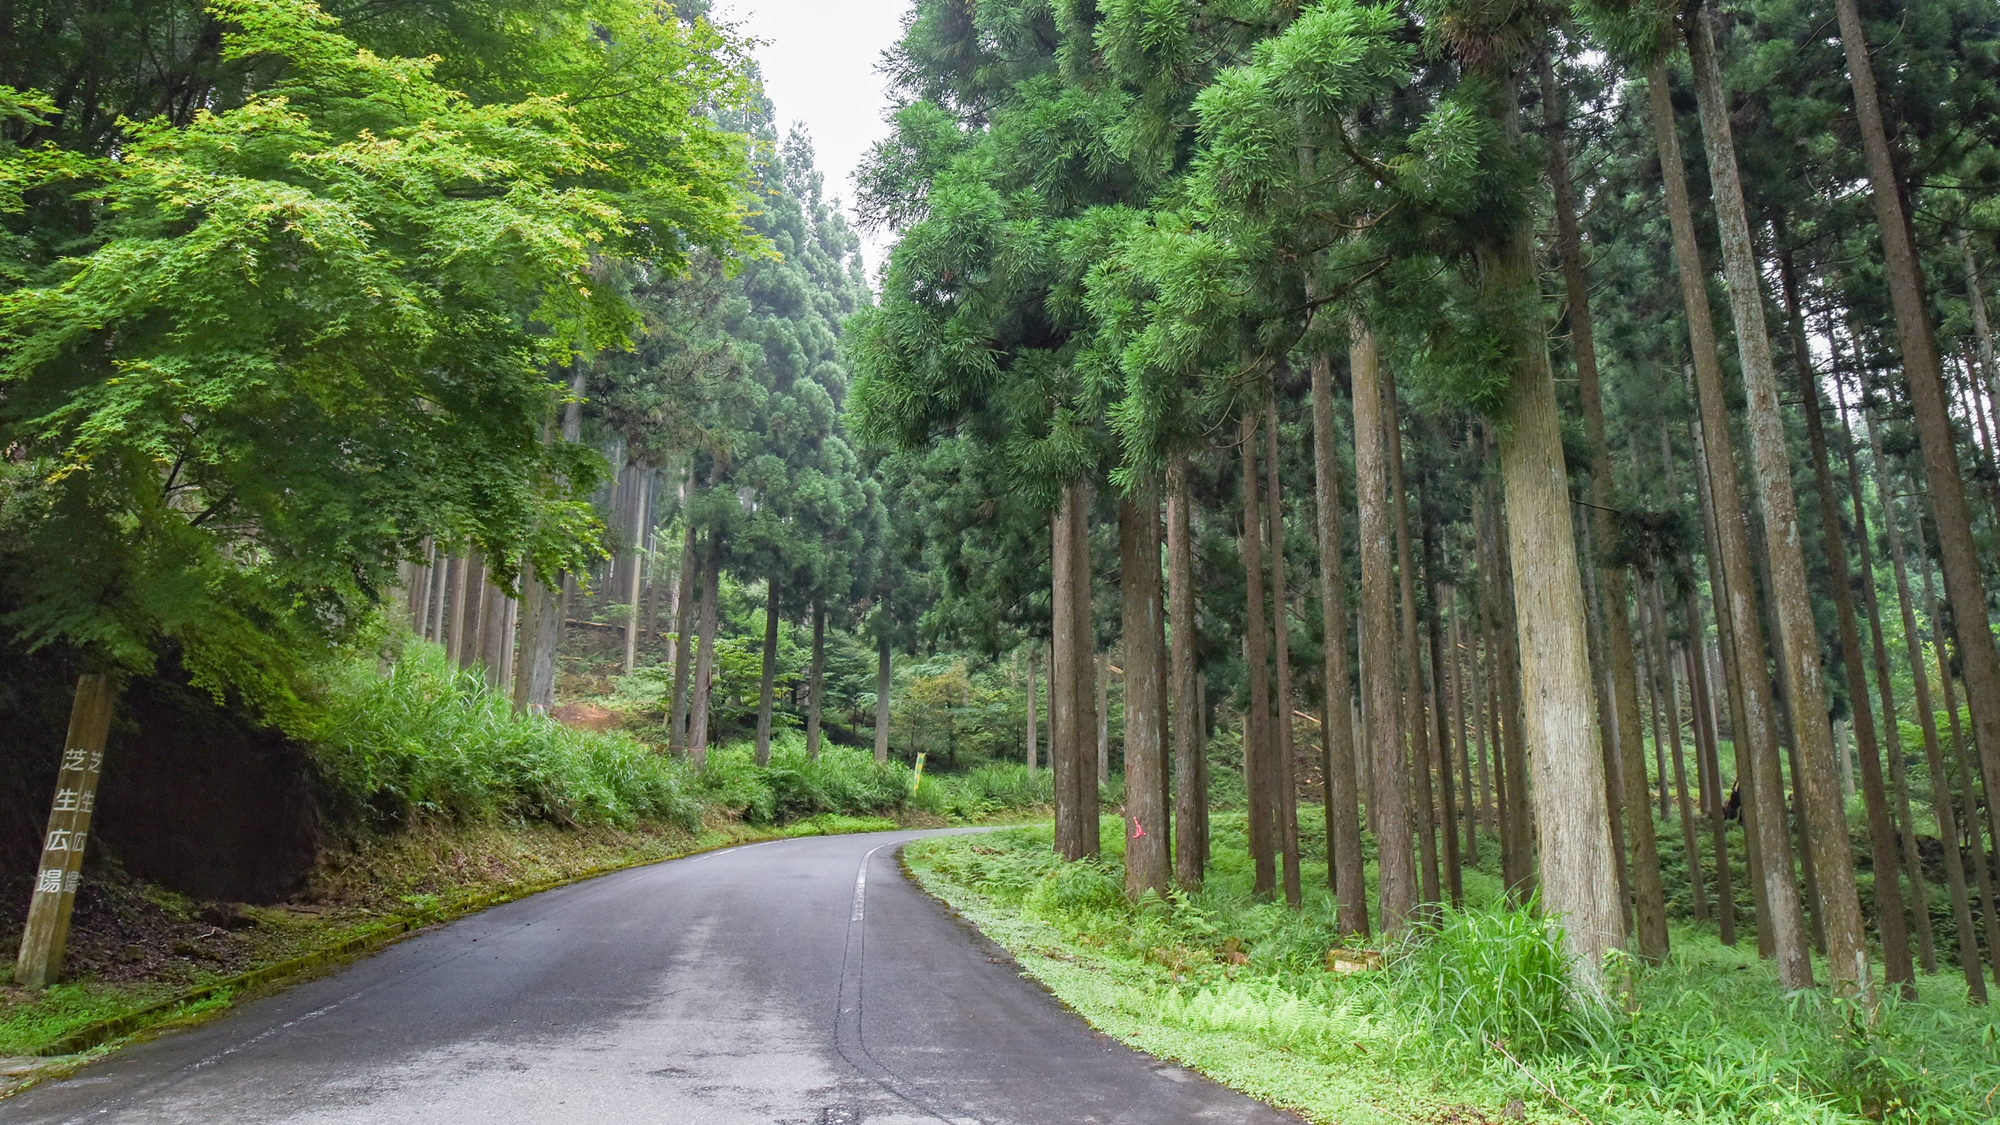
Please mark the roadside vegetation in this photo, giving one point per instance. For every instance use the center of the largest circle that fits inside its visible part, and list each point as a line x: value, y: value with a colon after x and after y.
x: 1470, y: 1018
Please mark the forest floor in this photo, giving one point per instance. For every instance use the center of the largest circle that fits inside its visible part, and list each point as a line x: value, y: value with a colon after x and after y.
x: 134, y: 946
x: 1469, y: 1025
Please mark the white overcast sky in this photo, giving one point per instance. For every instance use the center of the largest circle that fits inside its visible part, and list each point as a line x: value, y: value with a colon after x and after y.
x: 819, y: 60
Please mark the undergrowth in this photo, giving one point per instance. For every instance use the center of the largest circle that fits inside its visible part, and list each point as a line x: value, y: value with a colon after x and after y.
x: 1465, y: 1019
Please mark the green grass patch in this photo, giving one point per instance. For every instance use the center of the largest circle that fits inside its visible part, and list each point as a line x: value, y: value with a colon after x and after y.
x: 1463, y: 1021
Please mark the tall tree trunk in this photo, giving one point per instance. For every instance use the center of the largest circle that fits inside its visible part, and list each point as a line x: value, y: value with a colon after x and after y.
x: 1742, y: 744
x: 1889, y: 926
x: 1643, y: 868
x: 700, y: 703
x: 1147, y: 861
x: 1190, y: 789
x: 454, y: 648
x: 1697, y: 892
x: 1103, y: 715
x: 1258, y: 749
x: 1913, y: 647
x: 1964, y: 587
x: 1343, y: 816
x: 1415, y: 726
x: 1578, y: 883
x: 883, y: 683
x: 1070, y: 677
x: 642, y: 505
x: 768, y: 676
x: 1283, y: 775
x: 1783, y: 922
x: 816, y: 681
x: 1470, y: 817
x: 1802, y: 677
x: 1947, y: 818
x: 1454, y: 875
x: 1607, y: 723
x: 535, y: 674
x: 1396, y: 878
x: 1709, y: 771
x: 1034, y: 736
x: 677, y: 709
x: 1968, y: 791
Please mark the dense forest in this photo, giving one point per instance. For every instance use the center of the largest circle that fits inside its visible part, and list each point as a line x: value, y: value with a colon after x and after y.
x: 1407, y: 460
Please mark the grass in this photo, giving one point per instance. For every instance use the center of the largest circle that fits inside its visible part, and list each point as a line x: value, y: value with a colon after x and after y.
x: 1463, y: 1023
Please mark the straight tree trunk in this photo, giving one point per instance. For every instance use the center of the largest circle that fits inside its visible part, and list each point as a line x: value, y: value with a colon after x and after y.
x: 460, y: 581
x: 1743, y: 749
x: 493, y: 635
x: 1396, y: 871
x: 1070, y: 679
x: 1947, y: 818
x: 1103, y: 714
x: 883, y: 684
x: 1643, y: 867
x: 1284, y: 776
x: 1415, y: 727
x: 642, y: 504
x: 704, y: 665
x: 1033, y: 691
x: 1968, y: 792
x: 1804, y: 686
x: 677, y: 708
x: 1889, y: 925
x: 816, y: 681
x: 535, y: 672
x: 1190, y: 788
x: 768, y: 677
x: 1697, y: 892
x: 1708, y: 768
x: 1913, y: 647
x: 1576, y: 876
x: 1943, y: 476
x: 1607, y: 724
x: 1454, y: 875
x: 1470, y: 817
x: 1782, y: 922
x: 1343, y: 816
x: 1258, y: 749
x: 1147, y: 862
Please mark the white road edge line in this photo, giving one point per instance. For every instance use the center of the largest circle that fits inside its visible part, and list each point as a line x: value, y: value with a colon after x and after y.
x: 861, y: 882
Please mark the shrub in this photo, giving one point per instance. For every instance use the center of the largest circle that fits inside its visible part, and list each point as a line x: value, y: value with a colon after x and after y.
x: 426, y: 739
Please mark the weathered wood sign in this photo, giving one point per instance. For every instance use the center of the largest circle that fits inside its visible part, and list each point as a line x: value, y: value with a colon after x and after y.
x: 61, y: 868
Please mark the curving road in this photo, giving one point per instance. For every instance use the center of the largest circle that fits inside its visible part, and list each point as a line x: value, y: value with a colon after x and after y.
x: 797, y: 981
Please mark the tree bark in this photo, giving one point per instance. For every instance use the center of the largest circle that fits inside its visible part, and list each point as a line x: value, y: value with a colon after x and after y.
x: 816, y: 681
x: 1643, y: 866
x: 1690, y: 849
x: 1782, y: 922
x: 1965, y: 589
x: 641, y: 519
x: 1343, y: 816
x: 1070, y: 677
x: 1034, y: 690
x: 677, y: 710
x: 768, y: 675
x: 1102, y: 712
x: 1284, y: 775
x: 1147, y: 861
x: 1190, y: 789
x: 1968, y: 793
x: 1578, y: 883
x: 1802, y: 677
x: 1415, y: 726
x: 1913, y: 648
x: 1259, y: 753
x: 883, y: 683
x: 1889, y: 925
x: 704, y: 666
x: 1396, y: 872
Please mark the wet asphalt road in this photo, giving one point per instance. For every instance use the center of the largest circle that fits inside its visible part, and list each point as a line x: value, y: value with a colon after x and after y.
x: 798, y: 981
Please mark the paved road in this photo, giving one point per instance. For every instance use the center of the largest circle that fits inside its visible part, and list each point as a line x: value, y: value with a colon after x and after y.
x: 797, y: 981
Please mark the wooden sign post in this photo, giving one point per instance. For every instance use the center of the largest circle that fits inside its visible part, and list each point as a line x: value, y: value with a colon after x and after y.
x: 69, y: 826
